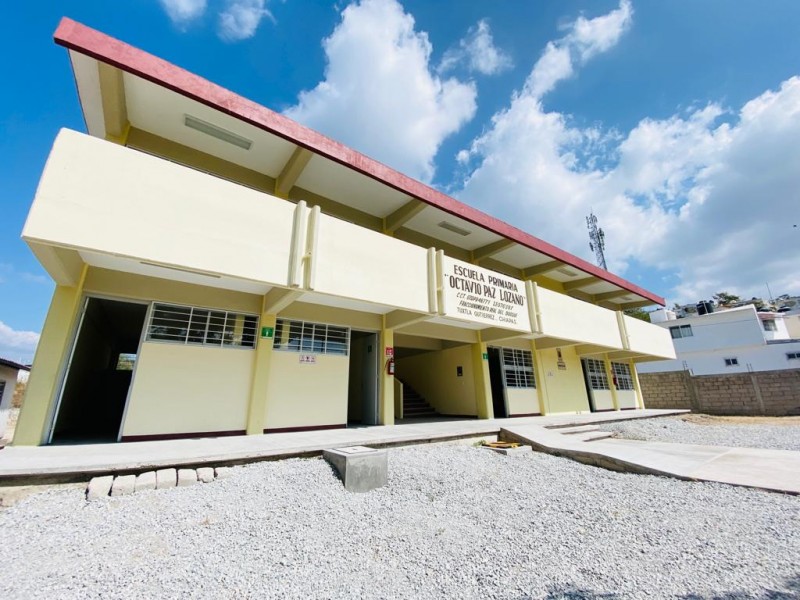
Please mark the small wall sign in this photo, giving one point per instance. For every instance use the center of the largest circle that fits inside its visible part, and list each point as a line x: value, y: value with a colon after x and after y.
x: 308, y: 359
x: 485, y: 356
x: 562, y: 366
x: 267, y: 332
x: 389, y: 352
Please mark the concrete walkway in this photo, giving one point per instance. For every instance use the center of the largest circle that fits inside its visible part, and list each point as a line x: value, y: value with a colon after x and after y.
x: 774, y: 470
x: 42, y: 464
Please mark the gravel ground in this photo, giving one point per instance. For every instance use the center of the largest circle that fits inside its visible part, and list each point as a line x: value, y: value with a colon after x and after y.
x: 454, y: 522
x: 676, y: 429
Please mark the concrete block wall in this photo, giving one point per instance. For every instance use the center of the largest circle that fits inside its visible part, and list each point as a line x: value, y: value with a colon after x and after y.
x: 771, y: 393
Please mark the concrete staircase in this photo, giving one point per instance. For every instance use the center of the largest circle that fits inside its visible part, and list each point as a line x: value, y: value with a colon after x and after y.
x: 414, y: 405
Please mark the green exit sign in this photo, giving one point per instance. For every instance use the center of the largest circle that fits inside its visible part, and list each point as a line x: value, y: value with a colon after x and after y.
x: 485, y: 356
x: 267, y: 332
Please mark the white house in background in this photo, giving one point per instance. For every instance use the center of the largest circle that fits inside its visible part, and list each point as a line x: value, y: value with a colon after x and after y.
x: 10, y: 373
x: 729, y: 341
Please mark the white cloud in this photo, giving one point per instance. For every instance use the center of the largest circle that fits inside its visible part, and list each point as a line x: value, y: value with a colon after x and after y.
x: 585, y: 39
x: 478, y: 51
x: 17, y: 345
x: 710, y: 202
x: 182, y: 12
x: 241, y: 18
x: 379, y: 94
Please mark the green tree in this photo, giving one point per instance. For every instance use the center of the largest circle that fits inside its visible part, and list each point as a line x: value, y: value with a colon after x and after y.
x: 638, y: 313
x: 725, y: 299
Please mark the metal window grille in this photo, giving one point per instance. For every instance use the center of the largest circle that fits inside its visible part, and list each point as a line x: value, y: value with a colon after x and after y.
x: 622, y: 376
x: 596, y: 373
x: 681, y: 331
x: 316, y: 338
x: 731, y: 362
x: 2, y: 389
x: 201, y: 326
x: 518, y: 368
x: 769, y: 325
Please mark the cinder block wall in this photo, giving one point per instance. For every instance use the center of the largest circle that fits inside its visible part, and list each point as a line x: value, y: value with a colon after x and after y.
x: 771, y: 393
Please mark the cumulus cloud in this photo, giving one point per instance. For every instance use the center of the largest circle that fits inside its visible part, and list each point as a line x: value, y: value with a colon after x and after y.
x: 183, y: 12
x: 17, y: 345
x: 478, y: 52
x: 701, y: 199
x: 584, y: 39
x: 241, y: 19
x: 380, y: 94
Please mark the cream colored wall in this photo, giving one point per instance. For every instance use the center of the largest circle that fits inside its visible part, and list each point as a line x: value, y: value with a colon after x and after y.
x: 647, y: 338
x: 565, y: 391
x: 94, y: 195
x: 603, y: 400
x: 571, y: 319
x: 522, y: 401
x: 306, y: 395
x: 626, y: 398
x: 187, y: 389
x: 358, y: 263
x: 139, y: 287
x: 433, y: 375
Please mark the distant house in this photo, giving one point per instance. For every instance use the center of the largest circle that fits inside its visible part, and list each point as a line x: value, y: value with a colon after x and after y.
x: 735, y: 340
x: 10, y: 373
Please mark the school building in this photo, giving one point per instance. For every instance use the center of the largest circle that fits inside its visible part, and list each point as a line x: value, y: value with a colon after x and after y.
x: 223, y: 270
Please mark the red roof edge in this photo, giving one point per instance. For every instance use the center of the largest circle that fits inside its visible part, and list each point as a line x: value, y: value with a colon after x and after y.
x: 104, y: 48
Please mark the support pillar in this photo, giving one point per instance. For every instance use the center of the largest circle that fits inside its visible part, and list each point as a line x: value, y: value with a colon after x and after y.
x: 636, y: 386
x: 538, y: 376
x: 257, y: 407
x: 52, y: 352
x: 483, y: 383
x: 385, y: 381
x: 610, y: 376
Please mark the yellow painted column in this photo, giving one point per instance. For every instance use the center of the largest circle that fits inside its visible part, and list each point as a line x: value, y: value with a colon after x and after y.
x: 538, y: 375
x: 385, y: 381
x: 636, y: 386
x: 257, y: 408
x: 483, y: 382
x: 610, y: 376
x: 55, y: 344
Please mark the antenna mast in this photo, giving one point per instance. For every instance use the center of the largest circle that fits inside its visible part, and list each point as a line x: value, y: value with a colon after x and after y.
x: 597, y: 240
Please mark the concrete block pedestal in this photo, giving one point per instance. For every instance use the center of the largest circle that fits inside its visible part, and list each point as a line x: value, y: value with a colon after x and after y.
x: 361, y: 469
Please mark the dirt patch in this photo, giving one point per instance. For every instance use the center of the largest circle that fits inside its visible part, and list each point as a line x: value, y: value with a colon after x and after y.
x: 698, y: 419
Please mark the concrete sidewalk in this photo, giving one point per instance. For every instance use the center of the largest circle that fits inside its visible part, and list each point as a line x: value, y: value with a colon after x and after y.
x: 774, y: 470
x: 40, y: 464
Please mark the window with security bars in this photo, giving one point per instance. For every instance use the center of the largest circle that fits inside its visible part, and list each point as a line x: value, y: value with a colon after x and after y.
x: 518, y: 368
x: 2, y: 389
x: 596, y: 374
x: 622, y: 376
x: 201, y: 326
x: 317, y: 338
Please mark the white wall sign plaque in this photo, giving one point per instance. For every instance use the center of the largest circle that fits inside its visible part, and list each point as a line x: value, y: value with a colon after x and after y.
x: 479, y: 295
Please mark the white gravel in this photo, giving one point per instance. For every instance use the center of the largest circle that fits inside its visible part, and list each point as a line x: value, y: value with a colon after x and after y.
x: 674, y: 429
x: 454, y: 522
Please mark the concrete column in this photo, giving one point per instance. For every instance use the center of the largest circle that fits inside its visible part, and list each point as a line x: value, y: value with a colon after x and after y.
x: 610, y: 376
x: 385, y: 381
x: 483, y: 383
x: 636, y: 386
x: 257, y: 407
x: 52, y: 352
x: 538, y: 374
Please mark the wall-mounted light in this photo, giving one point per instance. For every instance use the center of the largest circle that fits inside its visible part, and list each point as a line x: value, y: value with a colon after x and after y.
x: 217, y: 132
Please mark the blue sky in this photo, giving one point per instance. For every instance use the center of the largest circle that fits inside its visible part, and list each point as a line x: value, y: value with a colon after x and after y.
x: 675, y: 122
